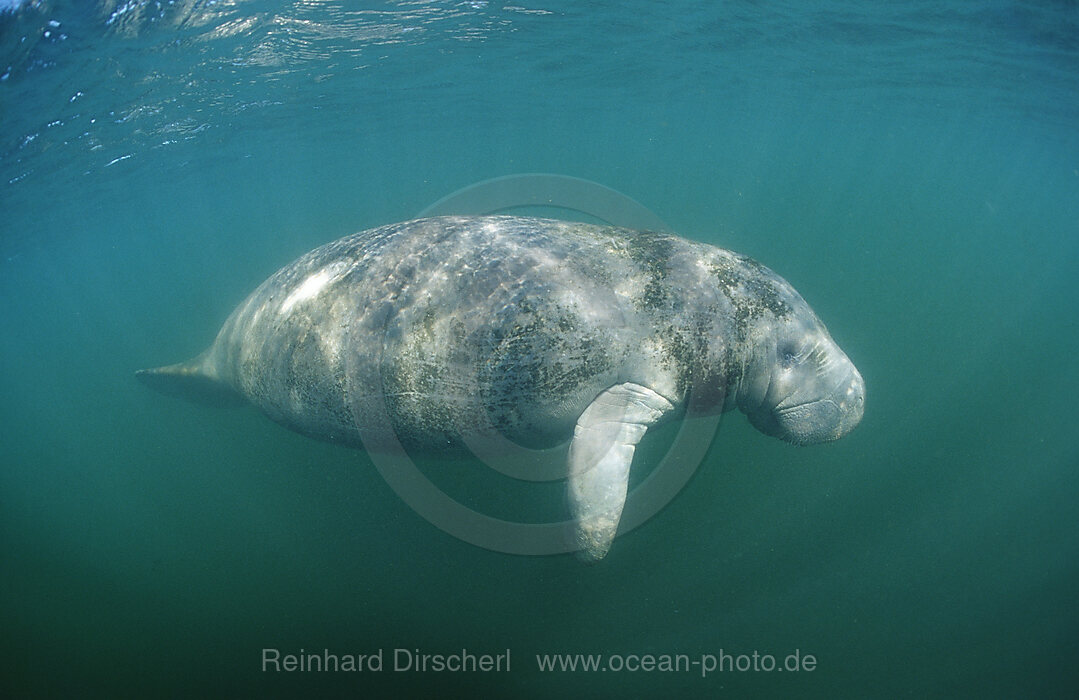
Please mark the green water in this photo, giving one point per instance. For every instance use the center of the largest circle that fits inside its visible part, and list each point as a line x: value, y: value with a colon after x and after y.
x: 912, y: 171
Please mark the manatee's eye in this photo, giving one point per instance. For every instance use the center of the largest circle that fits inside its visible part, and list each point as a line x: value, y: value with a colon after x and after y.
x: 788, y: 355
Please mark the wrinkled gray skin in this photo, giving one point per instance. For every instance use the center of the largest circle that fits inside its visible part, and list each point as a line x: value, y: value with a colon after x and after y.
x: 453, y: 325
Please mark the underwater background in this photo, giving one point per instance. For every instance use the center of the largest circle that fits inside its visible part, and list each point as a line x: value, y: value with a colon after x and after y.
x: 911, y: 168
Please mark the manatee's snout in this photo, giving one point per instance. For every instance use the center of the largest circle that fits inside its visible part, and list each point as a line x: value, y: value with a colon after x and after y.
x: 813, y: 391
x: 826, y: 418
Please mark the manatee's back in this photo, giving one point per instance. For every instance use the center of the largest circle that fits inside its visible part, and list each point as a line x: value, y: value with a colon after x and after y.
x: 496, y: 323
x: 449, y: 327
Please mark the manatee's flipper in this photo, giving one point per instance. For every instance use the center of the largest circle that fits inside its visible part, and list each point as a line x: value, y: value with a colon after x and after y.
x: 191, y: 381
x: 599, y: 457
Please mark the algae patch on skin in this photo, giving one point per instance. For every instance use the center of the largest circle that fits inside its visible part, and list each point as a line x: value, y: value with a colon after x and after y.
x: 751, y: 295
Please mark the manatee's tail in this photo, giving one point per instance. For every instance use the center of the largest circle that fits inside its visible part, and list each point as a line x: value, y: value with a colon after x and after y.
x: 189, y: 380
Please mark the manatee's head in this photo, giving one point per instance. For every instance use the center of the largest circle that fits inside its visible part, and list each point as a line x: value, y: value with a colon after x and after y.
x: 796, y: 384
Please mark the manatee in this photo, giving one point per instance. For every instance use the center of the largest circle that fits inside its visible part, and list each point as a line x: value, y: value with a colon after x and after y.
x: 542, y: 331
